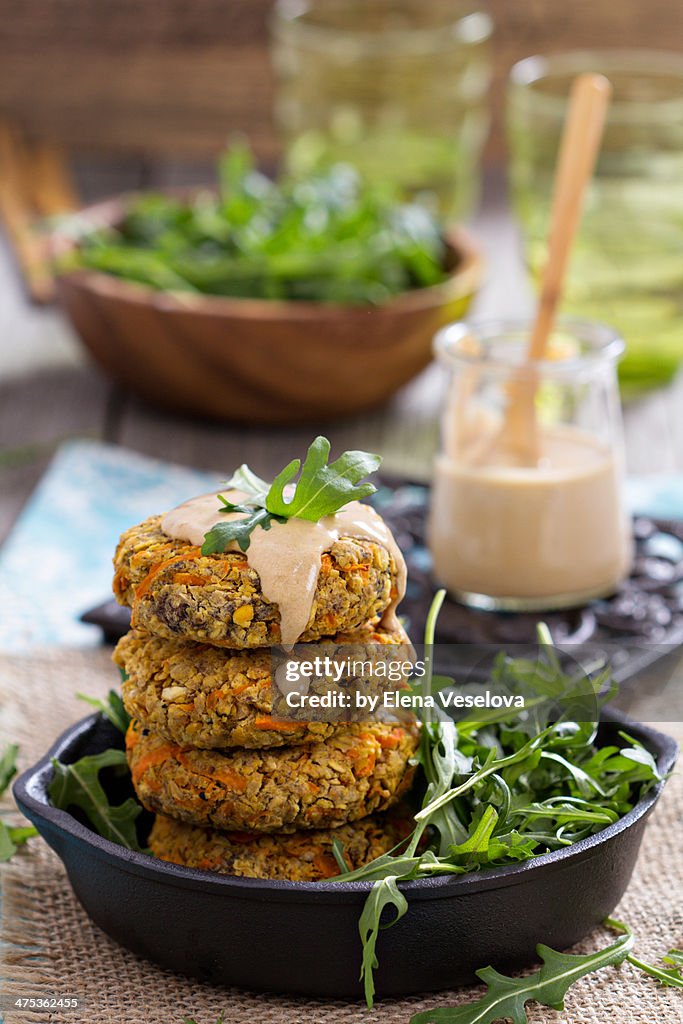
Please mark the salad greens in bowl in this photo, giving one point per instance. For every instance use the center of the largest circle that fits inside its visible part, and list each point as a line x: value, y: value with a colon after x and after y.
x: 328, y: 238
x: 264, y: 301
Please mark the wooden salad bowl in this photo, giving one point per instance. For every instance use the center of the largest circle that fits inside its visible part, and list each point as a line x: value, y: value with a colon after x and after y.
x: 256, y: 360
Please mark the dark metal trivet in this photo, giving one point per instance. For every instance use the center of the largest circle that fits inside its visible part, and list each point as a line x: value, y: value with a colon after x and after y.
x: 645, y: 617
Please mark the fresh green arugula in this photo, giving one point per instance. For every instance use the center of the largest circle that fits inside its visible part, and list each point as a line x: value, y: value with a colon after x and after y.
x: 670, y: 976
x: 79, y: 785
x: 328, y: 238
x: 321, y: 490
x: 506, y: 998
x: 506, y: 788
x: 384, y: 893
x: 8, y: 766
x: 222, y: 535
x: 112, y: 708
x: 11, y: 836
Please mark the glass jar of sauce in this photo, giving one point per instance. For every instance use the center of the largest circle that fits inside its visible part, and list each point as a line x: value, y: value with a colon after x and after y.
x: 528, y: 521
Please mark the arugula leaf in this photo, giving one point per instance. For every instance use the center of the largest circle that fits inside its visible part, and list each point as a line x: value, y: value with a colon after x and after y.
x: 112, y: 708
x: 510, y: 847
x: 402, y: 865
x: 640, y: 756
x: 321, y: 490
x: 506, y: 998
x: 7, y: 845
x: 476, y: 846
x: 78, y: 785
x: 219, y: 536
x: 669, y: 977
x: 383, y: 894
x: 243, y: 479
x: 8, y: 765
x: 12, y: 837
x: 490, y: 766
x: 586, y: 784
x: 672, y: 978
x: 441, y: 762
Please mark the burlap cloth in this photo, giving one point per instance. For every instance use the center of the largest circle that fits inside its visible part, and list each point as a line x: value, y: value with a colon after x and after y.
x: 51, y: 946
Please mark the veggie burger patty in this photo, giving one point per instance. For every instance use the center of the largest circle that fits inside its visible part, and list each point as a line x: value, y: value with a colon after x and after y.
x: 209, y: 697
x: 357, y: 771
x: 175, y: 591
x: 297, y: 857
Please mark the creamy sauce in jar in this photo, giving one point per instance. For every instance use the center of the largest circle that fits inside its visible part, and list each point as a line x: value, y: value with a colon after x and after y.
x: 544, y: 532
x: 287, y: 556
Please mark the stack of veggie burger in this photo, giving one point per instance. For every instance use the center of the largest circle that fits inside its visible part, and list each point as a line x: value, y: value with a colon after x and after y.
x: 213, y: 585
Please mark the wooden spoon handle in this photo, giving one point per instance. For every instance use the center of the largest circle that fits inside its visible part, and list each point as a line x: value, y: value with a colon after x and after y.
x: 588, y: 102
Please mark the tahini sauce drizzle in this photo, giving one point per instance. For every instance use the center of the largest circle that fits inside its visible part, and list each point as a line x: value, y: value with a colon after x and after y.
x: 287, y: 557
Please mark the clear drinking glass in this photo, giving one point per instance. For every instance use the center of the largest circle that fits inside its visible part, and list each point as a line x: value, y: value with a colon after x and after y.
x: 627, y: 264
x: 398, y: 88
x: 529, y: 520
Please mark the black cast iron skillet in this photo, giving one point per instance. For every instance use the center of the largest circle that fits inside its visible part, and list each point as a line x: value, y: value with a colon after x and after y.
x: 302, y: 937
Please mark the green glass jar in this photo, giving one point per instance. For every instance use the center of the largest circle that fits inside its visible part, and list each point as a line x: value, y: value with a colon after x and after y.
x: 627, y: 264
x: 398, y: 88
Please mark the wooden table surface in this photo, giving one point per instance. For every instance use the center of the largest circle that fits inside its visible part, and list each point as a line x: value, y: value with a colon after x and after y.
x: 49, y: 392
